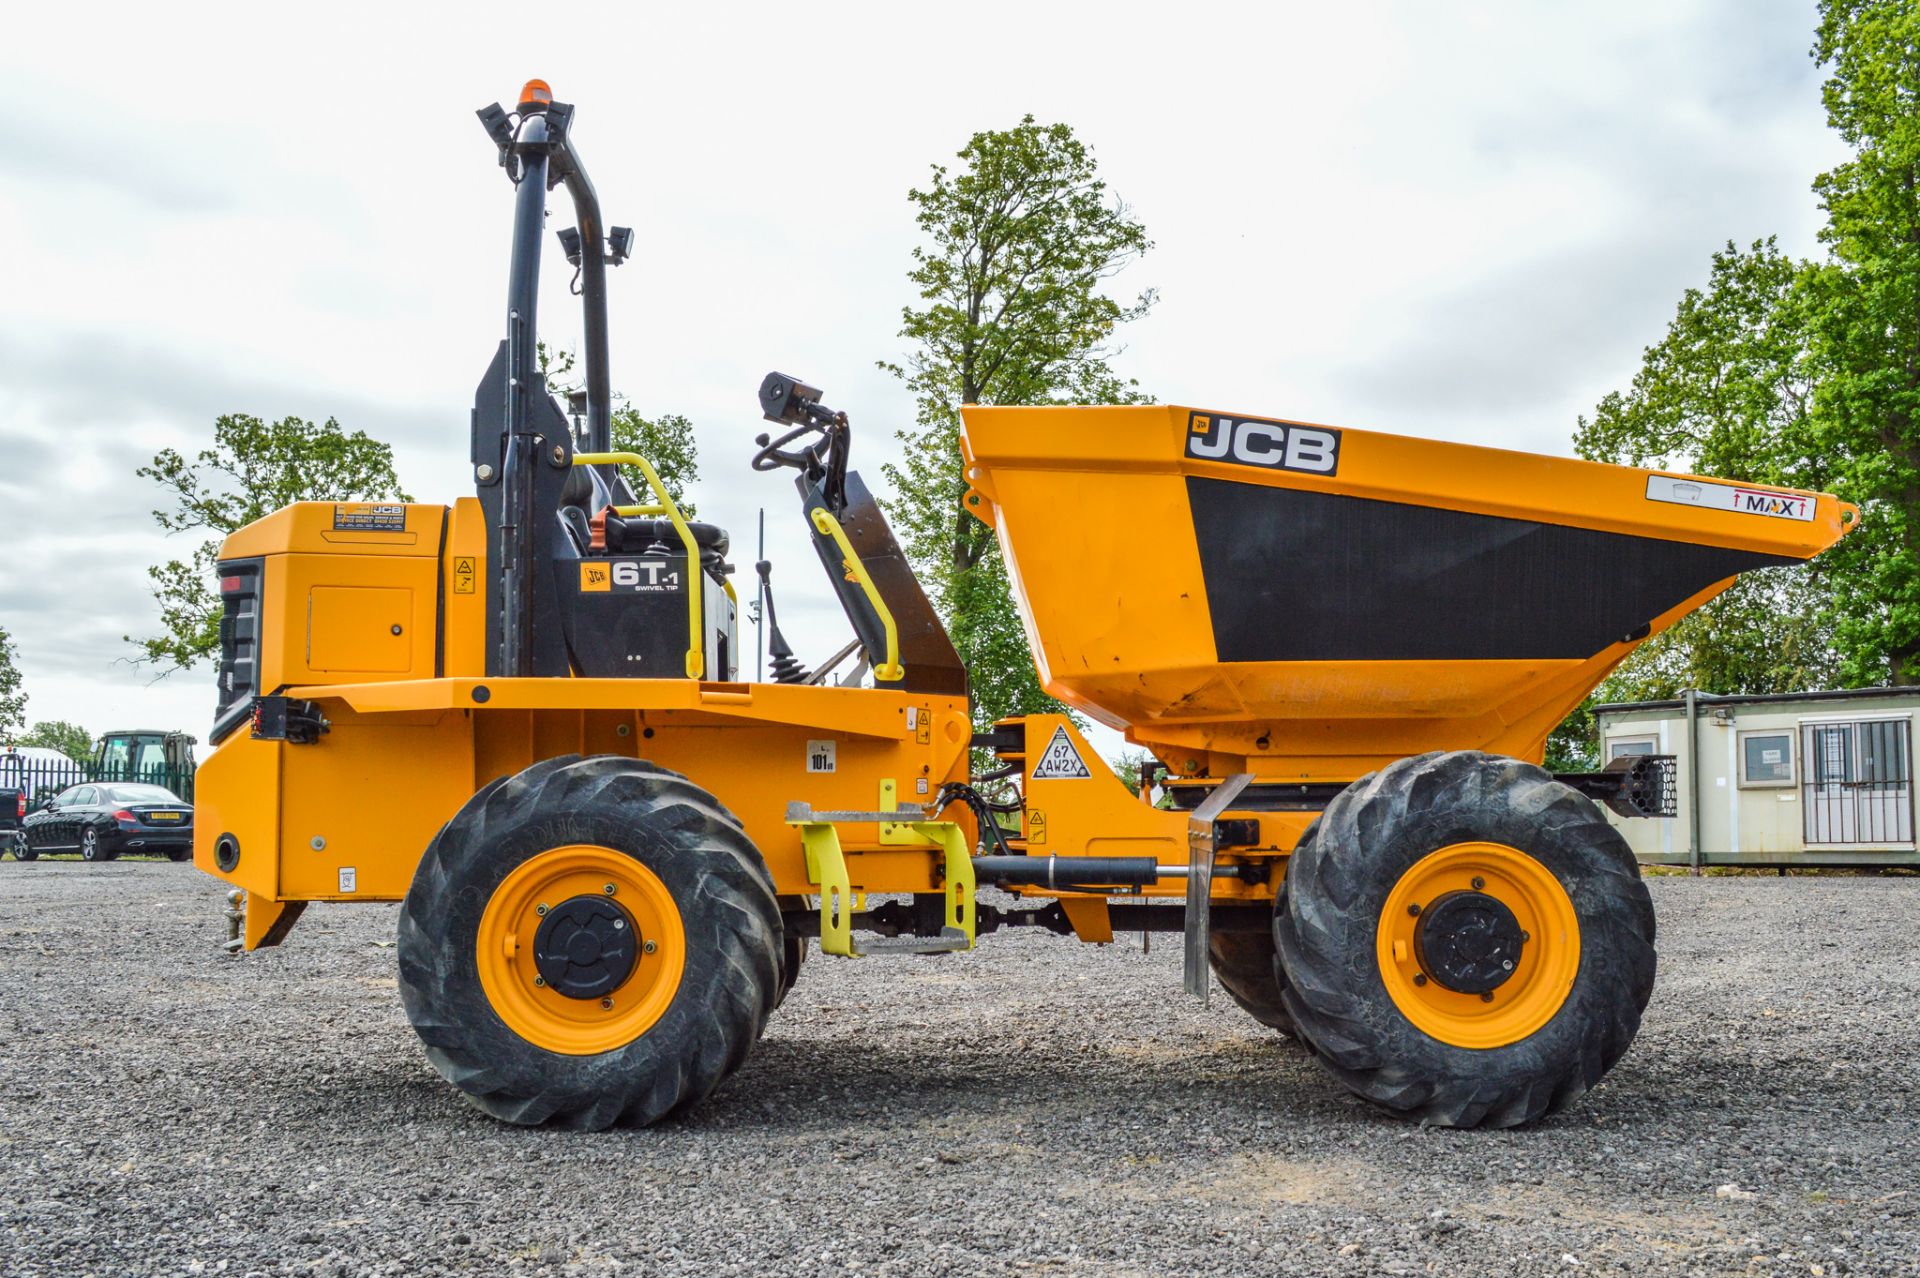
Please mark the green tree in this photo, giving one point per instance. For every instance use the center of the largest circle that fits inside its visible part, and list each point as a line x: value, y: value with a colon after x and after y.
x: 1017, y: 248
x: 1863, y: 304
x: 253, y: 469
x: 69, y: 739
x: 13, y: 702
x: 667, y: 442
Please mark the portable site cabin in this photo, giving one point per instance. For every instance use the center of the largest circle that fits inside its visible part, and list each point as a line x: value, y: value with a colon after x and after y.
x: 1807, y: 778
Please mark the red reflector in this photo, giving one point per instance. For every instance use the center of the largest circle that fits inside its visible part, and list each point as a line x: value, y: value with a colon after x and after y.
x: 232, y: 585
x: 20, y: 805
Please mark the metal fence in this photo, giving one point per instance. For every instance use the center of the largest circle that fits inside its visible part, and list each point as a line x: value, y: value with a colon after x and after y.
x: 42, y: 778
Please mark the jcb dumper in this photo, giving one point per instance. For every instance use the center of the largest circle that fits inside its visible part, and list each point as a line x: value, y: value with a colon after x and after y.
x: 1343, y: 649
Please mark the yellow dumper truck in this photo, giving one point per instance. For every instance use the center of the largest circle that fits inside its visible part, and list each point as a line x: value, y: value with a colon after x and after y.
x: 1344, y: 651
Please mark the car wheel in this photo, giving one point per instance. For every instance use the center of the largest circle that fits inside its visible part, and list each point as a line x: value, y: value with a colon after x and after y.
x: 179, y: 854
x: 23, y: 850
x: 91, y: 849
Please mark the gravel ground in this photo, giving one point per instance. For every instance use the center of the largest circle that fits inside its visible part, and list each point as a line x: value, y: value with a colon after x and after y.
x: 1036, y: 1107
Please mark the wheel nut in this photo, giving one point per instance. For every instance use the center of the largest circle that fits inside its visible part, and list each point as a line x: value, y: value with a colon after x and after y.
x: 541, y: 910
x: 1478, y: 883
x: 610, y: 889
x: 1419, y: 978
x: 1413, y: 908
x: 1487, y: 997
x: 649, y: 947
x: 606, y: 1005
x: 541, y: 981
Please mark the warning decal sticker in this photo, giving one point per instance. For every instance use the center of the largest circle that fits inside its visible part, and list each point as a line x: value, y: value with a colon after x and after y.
x: 1746, y: 501
x: 1060, y: 761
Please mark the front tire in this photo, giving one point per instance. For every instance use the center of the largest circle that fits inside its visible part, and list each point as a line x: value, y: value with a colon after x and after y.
x: 625, y: 1005
x: 1465, y: 940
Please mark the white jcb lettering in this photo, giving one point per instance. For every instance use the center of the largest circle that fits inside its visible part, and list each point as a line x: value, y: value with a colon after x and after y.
x: 1309, y: 449
x: 1258, y: 444
x: 1214, y: 445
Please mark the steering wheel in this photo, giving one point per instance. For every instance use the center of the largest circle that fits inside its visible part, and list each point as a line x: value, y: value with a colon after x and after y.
x: 772, y: 454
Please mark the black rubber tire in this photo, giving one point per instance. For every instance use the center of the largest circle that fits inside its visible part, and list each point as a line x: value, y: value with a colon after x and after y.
x: 24, y: 851
x: 1337, y: 883
x: 726, y: 901
x: 793, y: 953
x: 1249, y: 971
x: 180, y: 854
x: 91, y: 850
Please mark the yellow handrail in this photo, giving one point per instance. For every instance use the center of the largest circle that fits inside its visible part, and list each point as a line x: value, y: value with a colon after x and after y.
x: 663, y: 505
x: 890, y: 670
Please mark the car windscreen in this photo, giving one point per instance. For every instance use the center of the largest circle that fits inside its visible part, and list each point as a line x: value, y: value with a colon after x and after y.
x: 141, y: 794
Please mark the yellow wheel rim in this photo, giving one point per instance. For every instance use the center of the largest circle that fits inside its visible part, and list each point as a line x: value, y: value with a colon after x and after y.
x: 1542, y: 976
x: 511, y: 978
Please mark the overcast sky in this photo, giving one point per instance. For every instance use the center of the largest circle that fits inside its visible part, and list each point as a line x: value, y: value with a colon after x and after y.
x: 1455, y: 220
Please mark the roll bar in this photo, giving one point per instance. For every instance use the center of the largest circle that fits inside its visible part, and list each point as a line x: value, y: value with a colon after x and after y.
x: 536, y: 150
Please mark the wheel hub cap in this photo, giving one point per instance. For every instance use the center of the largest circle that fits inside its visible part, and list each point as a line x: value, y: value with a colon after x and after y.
x: 586, y: 947
x: 1468, y: 941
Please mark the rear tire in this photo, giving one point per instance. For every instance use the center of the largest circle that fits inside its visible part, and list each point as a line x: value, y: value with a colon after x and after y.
x: 179, y: 854
x: 23, y: 850
x: 91, y: 849
x: 1249, y: 971
x: 711, y: 907
x: 793, y: 954
x: 1577, y: 983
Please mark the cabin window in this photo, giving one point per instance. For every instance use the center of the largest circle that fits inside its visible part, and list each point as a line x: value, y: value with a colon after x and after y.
x: 1766, y: 759
x: 1617, y: 747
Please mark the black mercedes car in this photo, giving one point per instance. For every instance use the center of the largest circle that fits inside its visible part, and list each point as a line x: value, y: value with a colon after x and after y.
x: 101, y: 820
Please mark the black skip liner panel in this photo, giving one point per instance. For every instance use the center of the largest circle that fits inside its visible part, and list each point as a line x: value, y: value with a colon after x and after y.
x: 1309, y: 576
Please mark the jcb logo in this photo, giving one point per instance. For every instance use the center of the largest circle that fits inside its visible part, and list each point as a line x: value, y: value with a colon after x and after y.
x: 1252, y: 441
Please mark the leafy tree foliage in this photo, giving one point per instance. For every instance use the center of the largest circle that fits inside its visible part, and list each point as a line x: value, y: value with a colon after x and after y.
x: 1018, y: 244
x: 253, y: 469
x: 69, y: 739
x: 667, y: 442
x: 13, y: 702
x: 1805, y: 375
x: 1863, y: 304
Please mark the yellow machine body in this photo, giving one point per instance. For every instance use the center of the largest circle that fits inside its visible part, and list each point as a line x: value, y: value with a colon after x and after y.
x: 1306, y: 602
x: 382, y: 630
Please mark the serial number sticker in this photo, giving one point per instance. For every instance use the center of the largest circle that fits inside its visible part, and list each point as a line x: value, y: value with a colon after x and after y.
x: 349, y: 879
x: 820, y: 756
x: 1734, y: 497
x: 369, y: 517
x: 463, y: 575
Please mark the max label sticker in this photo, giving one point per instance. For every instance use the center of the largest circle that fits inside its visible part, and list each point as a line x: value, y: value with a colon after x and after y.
x: 820, y: 756
x: 1060, y: 761
x: 364, y: 517
x: 1745, y: 501
x: 1254, y: 441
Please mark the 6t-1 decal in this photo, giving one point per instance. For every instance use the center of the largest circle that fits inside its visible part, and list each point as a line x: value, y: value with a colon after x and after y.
x: 1269, y: 445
